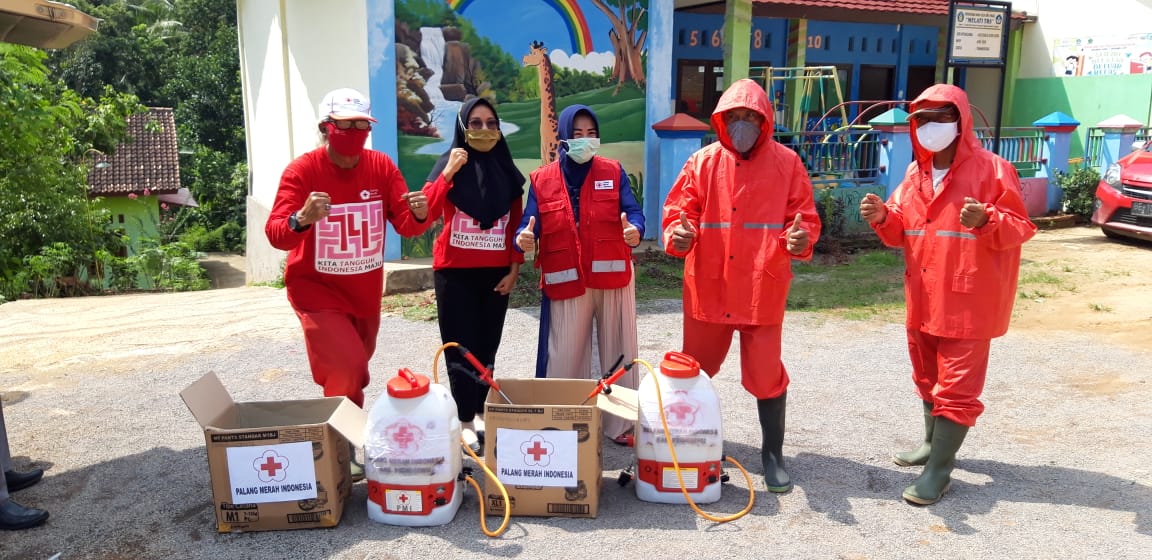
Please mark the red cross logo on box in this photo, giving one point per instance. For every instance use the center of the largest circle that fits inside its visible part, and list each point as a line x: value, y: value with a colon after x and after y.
x: 271, y: 466
x: 537, y: 451
x: 406, y: 436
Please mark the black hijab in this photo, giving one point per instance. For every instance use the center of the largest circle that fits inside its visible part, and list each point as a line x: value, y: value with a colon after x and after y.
x: 485, y: 187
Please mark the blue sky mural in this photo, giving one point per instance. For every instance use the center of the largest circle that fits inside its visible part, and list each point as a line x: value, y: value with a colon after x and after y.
x: 514, y: 29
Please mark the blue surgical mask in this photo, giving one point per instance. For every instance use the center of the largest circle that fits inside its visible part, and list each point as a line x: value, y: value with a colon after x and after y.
x: 743, y: 135
x: 581, y: 150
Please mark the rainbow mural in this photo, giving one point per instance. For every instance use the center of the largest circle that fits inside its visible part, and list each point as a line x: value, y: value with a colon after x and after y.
x: 569, y: 10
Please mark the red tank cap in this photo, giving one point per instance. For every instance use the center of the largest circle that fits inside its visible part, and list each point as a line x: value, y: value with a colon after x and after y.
x: 679, y: 364
x: 407, y: 385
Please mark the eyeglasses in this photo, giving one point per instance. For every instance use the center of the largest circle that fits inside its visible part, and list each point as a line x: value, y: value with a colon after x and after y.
x: 359, y: 124
x: 490, y: 124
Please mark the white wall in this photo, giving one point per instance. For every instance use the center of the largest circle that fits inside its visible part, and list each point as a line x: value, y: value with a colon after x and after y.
x: 1058, y: 19
x: 292, y: 52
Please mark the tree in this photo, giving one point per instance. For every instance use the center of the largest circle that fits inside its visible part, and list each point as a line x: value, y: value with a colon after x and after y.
x: 629, y: 30
x: 49, y: 131
x: 184, y: 55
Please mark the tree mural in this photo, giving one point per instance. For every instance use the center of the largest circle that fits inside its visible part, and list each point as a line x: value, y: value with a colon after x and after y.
x: 629, y: 30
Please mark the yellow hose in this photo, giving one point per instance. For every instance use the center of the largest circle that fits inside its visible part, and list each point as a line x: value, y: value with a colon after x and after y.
x: 491, y: 475
x: 676, y: 462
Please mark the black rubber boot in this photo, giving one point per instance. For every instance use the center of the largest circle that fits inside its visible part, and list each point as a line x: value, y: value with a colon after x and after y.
x: 772, y: 453
x: 931, y: 485
x: 918, y: 457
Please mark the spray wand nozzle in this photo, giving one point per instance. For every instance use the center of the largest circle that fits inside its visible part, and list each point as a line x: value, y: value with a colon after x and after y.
x: 482, y: 374
x: 614, y: 374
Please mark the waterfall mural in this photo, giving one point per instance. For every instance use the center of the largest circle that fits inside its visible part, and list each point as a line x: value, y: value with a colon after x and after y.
x: 532, y: 58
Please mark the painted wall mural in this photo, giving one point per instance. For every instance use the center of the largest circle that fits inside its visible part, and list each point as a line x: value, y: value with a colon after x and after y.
x: 532, y: 58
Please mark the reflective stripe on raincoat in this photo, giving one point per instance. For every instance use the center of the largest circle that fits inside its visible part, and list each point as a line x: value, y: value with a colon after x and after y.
x: 738, y: 270
x: 959, y: 282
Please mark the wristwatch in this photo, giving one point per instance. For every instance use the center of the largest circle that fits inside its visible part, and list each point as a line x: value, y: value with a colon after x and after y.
x: 295, y: 224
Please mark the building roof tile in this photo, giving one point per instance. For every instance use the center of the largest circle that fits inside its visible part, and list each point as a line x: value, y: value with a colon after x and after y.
x: 148, y: 159
x: 930, y: 7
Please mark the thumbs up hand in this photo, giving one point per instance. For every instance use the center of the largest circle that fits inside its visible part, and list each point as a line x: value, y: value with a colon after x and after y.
x: 872, y: 209
x: 797, y: 238
x: 972, y: 215
x: 631, y: 234
x: 683, y: 234
x: 526, y: 240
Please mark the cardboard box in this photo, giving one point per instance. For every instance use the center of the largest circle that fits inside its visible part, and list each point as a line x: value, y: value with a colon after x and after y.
x: 544, y: 446
x: 279, y: 464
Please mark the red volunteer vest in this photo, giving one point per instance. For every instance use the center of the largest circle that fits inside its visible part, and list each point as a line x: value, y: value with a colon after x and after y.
x: 595, y: 256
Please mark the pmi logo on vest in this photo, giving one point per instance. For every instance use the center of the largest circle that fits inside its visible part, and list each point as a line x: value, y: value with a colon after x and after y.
x: 536, y: 458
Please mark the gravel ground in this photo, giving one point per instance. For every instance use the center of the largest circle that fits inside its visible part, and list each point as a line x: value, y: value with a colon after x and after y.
x: 1058, y: 466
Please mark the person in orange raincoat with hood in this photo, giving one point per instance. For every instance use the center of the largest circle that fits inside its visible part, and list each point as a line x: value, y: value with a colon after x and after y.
x: 960, y: 218
x: 739, y: 212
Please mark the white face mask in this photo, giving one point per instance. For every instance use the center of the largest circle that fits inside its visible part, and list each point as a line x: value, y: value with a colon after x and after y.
x: 936, y: 136
x: 580, y: 150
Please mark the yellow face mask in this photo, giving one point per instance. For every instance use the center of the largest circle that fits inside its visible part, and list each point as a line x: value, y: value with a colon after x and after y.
x: 482, y: 140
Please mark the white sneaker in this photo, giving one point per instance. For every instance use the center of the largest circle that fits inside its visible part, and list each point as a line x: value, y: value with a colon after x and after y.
x: 479, y: 423
x: 468, y: 433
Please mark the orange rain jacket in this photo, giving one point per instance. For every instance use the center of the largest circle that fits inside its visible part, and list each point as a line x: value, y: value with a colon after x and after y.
x: 959, y: 282
x: 738, y: 269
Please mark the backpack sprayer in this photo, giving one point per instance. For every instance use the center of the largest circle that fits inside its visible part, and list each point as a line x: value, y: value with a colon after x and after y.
x: 655, y: 477
x: 482, y: 374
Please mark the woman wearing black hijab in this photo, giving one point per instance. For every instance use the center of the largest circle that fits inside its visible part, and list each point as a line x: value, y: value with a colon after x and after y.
x: 477, y: 189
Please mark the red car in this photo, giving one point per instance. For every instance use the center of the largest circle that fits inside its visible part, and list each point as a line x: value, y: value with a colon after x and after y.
x: 1123, y: 206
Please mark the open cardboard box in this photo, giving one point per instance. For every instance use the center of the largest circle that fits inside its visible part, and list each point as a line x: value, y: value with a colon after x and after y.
x: 544, y: 446
x: 276, y: 464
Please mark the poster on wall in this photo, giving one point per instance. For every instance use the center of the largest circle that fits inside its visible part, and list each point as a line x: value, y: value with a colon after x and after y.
x: 531, y: 58
x: 1103, y: 56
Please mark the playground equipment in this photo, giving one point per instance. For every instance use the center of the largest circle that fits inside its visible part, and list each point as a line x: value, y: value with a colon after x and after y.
x: 802, y: 94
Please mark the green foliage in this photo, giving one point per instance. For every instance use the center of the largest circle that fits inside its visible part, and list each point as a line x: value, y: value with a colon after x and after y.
x: 424, y: 13
x: 49, y: 130
x: 228, y: 238
x: 1079, y: 191
x: 566, y: 81
x: 636, y: 182
x: 499, y: 71
x: 182, y: 55
x: 171, y: 267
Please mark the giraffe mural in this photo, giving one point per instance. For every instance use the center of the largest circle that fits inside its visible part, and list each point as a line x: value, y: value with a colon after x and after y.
x: 549, y: 137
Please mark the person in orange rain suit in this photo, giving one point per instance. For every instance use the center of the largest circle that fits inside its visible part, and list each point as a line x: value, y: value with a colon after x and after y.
x: 960, y: 218
x: 739, y: 212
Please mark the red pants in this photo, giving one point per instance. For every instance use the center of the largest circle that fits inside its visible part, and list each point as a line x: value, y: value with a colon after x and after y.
x: 339, y: 347
x: 761, y: 371
x: 949, y: 373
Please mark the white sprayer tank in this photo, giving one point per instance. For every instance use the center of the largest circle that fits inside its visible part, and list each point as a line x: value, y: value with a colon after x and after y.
x: 412, y: 454
x: 692, y: 409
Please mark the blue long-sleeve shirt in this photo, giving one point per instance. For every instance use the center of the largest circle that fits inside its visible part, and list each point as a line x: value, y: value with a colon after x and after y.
x: 628, y: 205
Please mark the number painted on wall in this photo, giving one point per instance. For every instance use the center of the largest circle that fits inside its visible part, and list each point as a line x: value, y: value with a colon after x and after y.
x: 815, y: 41
x: 714, y: 38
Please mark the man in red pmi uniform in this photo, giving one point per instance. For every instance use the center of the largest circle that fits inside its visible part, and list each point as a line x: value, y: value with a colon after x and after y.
x: 330, y: 214
x: 740, y: 211
x: 960, y: 218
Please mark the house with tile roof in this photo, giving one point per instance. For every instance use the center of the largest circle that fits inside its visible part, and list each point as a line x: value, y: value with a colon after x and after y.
x: 141, y: 177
